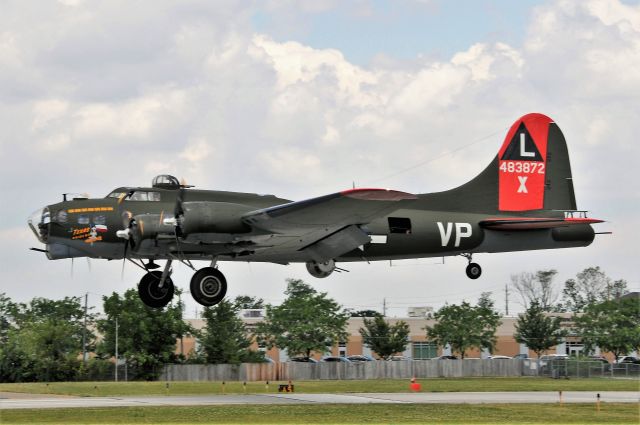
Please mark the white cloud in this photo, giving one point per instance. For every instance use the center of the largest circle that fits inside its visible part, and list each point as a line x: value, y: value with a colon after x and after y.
x: 190, y: 89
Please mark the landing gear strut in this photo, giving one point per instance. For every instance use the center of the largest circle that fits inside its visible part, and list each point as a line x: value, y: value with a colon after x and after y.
x: 473, y: 270
x: 208, y: 286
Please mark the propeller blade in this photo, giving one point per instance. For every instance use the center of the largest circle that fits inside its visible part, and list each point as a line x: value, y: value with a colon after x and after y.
x: 124, y: 259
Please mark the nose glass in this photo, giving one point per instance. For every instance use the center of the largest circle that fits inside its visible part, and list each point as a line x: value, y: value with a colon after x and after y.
x: 39, y: 223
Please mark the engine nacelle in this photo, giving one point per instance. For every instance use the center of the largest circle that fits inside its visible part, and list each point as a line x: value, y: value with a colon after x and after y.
x: 213, y: 217
x: 321, y: 270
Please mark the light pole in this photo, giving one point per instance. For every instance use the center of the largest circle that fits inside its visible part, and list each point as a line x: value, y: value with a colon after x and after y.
x: 116, y: 374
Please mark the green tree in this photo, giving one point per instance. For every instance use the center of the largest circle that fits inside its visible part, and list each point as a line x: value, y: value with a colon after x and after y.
x: 538, y: 330
x: 248, y: 302
x: 224, y: 338
x: 365, y: 313
x: 307, y: 321
x: 464, y: 326
x: 6, y: 317
x: 383, y: 338
x: 146, y: 336
x: 590, y: 286
x: 43, y: 340
x: 612, y: 325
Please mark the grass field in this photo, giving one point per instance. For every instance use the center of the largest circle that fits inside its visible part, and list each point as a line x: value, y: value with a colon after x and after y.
x: 369, y: 386
x: 617, y: 413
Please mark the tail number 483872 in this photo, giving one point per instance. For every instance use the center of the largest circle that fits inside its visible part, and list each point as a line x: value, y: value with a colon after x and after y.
x: 520, y: 167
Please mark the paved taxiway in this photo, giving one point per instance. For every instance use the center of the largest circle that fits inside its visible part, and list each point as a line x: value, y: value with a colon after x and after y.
x: 8, y: 401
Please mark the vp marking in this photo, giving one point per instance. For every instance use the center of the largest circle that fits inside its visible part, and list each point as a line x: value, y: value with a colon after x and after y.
x: 462, y: 230
x: 523, y: 187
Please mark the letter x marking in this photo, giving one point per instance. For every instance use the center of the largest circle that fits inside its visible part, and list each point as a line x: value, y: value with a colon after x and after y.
x: 523, y: 187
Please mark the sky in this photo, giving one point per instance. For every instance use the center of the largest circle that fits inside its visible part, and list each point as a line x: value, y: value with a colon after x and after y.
x: 305, y: 98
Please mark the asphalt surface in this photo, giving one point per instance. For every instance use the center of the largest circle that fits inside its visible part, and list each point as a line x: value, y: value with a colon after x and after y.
x: 13, y: 401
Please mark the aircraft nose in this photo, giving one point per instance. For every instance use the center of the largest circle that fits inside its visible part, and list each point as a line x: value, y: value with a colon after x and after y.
x: 39, y: 223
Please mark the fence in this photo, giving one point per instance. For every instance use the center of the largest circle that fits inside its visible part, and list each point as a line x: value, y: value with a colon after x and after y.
x: 569, y: 368
x: 395, y: 370
x: 339, y: 370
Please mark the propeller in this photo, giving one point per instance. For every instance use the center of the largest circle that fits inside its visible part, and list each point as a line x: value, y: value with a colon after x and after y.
x: 128, y: 240
x: 124, y: 259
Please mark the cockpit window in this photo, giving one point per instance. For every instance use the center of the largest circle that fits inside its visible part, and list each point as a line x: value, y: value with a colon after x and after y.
x: 141, y: 195
x: 115, y: 194
x: 62, y: 216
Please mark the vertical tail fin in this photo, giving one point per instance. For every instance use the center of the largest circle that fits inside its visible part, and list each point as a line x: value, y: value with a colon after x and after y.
x: 531, y: 172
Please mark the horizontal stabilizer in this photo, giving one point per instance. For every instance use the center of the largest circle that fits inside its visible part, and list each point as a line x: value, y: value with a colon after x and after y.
x: 528, y: 223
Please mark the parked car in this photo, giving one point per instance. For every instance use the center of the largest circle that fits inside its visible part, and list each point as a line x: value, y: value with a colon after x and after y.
x: 398, y: 359
x: 335, y: 359
x: 599, y: 359
x: 360, y: 358
x: 303, y: 359
x: 520, y: 356
x: 543, y: 360
x: 499, y: 358
x: 446, y: 357
x: 628, y: 359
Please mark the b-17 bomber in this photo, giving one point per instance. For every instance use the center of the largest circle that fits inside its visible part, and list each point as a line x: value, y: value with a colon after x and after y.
x: 523, y: 200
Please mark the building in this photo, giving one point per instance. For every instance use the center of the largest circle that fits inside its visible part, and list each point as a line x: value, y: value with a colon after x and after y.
x: 417, y: 345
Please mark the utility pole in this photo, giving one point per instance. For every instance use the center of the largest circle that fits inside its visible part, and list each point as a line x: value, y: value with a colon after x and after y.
x: 506, y: 299
x: 116, y: 374
x: 384, y: 307
x: 84, y: 331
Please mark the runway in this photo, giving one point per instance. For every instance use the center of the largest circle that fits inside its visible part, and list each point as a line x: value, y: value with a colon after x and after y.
x: 13, y: 401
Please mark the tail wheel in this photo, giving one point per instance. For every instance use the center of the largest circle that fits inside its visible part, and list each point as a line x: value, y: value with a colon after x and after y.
x: 473, y: 270
x: 208, y: 286
x: 151, y: 293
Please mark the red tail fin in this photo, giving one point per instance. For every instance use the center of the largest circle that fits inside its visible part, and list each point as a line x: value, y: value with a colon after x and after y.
x: 522, y: 164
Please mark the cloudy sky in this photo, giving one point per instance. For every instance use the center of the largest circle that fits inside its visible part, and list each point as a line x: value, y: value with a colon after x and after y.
x: 304, y: 98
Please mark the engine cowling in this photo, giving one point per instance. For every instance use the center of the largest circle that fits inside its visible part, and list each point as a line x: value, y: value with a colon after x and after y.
x: 321, y: 270
x: 213, y: 217
x: 149, y: 226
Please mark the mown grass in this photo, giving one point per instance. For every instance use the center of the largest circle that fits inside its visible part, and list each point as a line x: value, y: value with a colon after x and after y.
x: 368, y: 386
x: 616, y: 413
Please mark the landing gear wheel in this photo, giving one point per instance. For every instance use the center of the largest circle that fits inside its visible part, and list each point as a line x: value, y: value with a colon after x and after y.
x: 151, y: 294
x: 208, y: 286
x: 473, y: 270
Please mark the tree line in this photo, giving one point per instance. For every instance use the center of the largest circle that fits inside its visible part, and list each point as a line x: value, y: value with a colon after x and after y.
x: 43, y: 340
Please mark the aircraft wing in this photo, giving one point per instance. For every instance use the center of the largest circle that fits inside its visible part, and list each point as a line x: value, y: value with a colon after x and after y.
x: 327, y: 226
x: 528, y: 223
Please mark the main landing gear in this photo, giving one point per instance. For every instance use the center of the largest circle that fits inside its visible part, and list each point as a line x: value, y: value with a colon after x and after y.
x: 156, y: 289
x: 473, y: 270
x: 208, y: 286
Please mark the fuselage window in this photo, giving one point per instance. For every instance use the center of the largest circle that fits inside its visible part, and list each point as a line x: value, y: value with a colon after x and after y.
x: 83, y: 219
x: 399, y: 225
x: 100, y: 219
x: 139, y: 196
